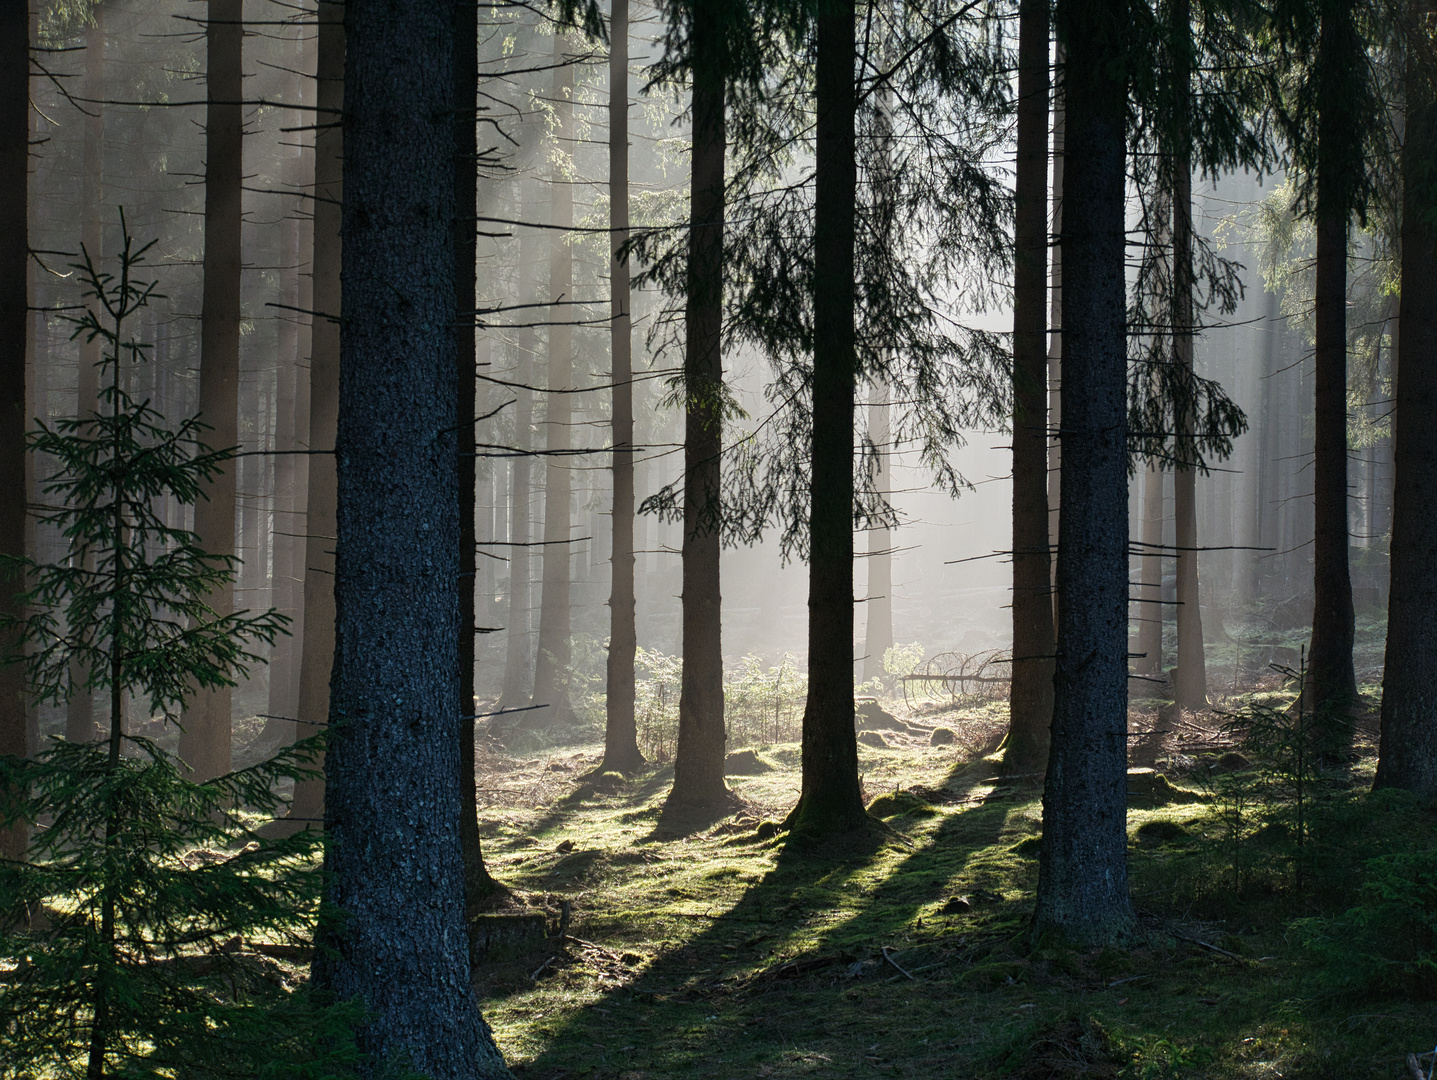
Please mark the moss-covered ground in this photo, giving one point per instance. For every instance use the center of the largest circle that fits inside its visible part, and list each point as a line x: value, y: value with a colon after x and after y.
x: 711, y: 948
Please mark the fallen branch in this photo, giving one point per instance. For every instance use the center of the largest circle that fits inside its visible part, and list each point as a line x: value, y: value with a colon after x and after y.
x: 1223, y: 952
x: 895, y: 964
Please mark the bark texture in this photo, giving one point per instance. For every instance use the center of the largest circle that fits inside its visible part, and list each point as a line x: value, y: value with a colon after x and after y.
x: 830, y: 800
x: 205, y: 738
x: 1407, y: 756
x: 1031, y: 697
x: 621, y: 747
x: 1082, y: 878
x: 699, y: 758
x: 393, y: 858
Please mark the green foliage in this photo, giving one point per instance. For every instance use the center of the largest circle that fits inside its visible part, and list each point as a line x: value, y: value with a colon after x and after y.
x: 900, y: 660
x: 126, y: 948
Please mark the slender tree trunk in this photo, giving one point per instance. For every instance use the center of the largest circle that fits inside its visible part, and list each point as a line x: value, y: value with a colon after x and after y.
x: 699, y: 758
x: 14, y: 300
x: 551, y: 665
x: 205, y: 738
x: 478, y: 885
x: 1082, y: 877
x: 1332, y: 678
x: 1055, y: 325
x: 879, y: 605
x: 1191, y: 685
x: 80, y: 723
x: 621, y: 747
x: 1031, y: 696
x: 830, y: 800
x: 316, y: 659
x: 393, y: 862
x: 1150, y: 574
x: 1407, y: 756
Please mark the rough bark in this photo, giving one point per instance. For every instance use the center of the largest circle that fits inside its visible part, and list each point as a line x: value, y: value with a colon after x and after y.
x: 1031, y: 697
x: 317, y: 651
x: 830, y: 800
x: 1331, y: 676
x: 1082, y: 878
x: 551, y: 665
x: 699, y: 758
x: 393, y: 860
x: 1407, y: 755
x: 205, y: 735
x: 1055, y: 324
x: 14, y: 240
x: 621, y: 747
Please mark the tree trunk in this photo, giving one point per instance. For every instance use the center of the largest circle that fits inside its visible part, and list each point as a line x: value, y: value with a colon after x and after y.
x: 551, y: 665
x: 1407, y: 756
x: 1190, y: 691
x: 699, y: 757
x: 879, y: 604
x: 1031, y: 695
x: 1082, y: 877
x: 205, y: 737
x: 478, y: 885
x: 393, y: 862
x: 1331, y: 675
x: 316, y: 659
x: 621, y: 747
x: 831, y: 800
x: 1055, y: 332
x: 80, y: 723
x: 14, y: 247
x: 1150, y: 577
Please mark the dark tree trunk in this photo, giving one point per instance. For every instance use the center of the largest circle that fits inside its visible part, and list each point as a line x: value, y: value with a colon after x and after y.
x: 1150, y: 577
x: 14, y: 247
x: 393, y: 860
x: 699, y: 758
x: 1055, y: 333
x: 1083, y: 878
x: 1031, y: 697
x: 205, y: 738
x: 1407, y: 756
x: 317, y: 652
x: 551, y: 665
x: 1331, y: 675
x: 1190, y: 691
x: 621, y: 747
x: 831, y: 800
x: 478, y: 885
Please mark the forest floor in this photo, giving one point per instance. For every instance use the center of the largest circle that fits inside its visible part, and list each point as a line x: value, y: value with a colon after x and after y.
x: 707, y: 948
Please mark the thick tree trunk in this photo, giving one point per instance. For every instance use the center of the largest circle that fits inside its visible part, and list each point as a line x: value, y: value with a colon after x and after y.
x: 1407, y: 756
x: 80, y: 723
x: 205, y: 738
x: 879, y: 604
x: 317, y: 652
x: 831, y: 800
x: 393, y: 861
x: 1332, y: 679
x: 1082, y: 878
x: 1055, y: 328
x: 478, y: 885
x: 1190, y: 691
x: 551, y: 665
x: 621, y: 747
x: 1031, y: 697
x: 14, y: 247
x: 699, y: 758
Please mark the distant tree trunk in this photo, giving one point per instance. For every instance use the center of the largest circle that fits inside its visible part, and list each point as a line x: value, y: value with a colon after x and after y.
x: 1082, y: 877
x: 699, y: 757
x: 1331, y: 675
x: 317, y: 652
x: 1190, y: 691
x: 830, y: 800
x: 1407, y: 756
x: 393, y: 798
x: 879, y: 605
x: 80, y: 723
x: 551, y: 665
x: 621, y: 747
x: 478, y: 885
x: 14, y: 249
x: 205, y: 737
x: 1031, y: 695
x: 1150, y: 576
